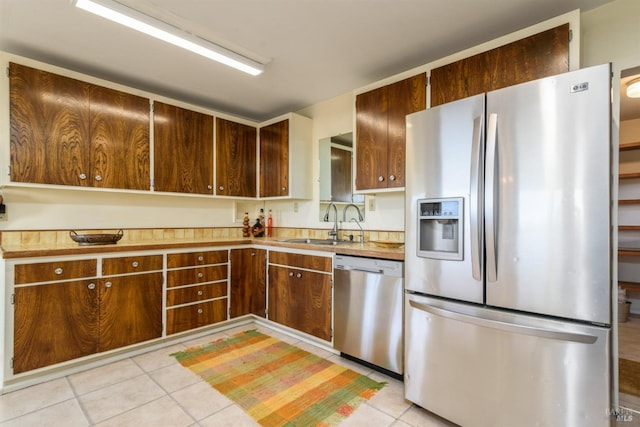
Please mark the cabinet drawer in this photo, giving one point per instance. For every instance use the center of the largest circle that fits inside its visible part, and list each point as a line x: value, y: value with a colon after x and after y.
x: 196, y: 315
x: 196, y: 293
x: 196, y: 258
x: 56, y: 270
x: 131, y: 264
x: 301, y: 261
x: 196, y: 275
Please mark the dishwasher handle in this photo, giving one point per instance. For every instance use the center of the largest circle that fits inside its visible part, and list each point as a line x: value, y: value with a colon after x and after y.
x: 362, y: 269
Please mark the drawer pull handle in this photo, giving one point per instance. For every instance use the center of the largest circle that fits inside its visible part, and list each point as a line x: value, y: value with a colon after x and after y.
x: 299, y: 275
x: 58, y: 271
x: 253, y: 254
x: 199, y: 293
x: 221, y: 188
x: 108, y: 285
x: 209, y: 187
x: 82, y: 176
x: 392, y: 177
x: 91, y: 286
x: 201, y: 258
x: 291, y: 274
x: 380, y: 178
x: 200, y: 275
x: 200, y: 311
x: 284, y: 188
x: 135, y: 264
x: 98, y: 178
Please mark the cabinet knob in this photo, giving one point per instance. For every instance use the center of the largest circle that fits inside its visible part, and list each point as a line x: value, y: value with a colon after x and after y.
x: 392, y: 177
x: 98, y: 178
x: 200, y: 311
x: 199, y: 293
x: 200, y: 275
x: 221, y: 188
x: 58, y: 271
x: 380, y: 178
x: 135, y: 264
x: 253, y: 254
x: 82, y: 176
x: 291, y: 274
x: 108, y: 285
x: 200, y: 258
x: 299, y: 275
x: 210, y: 187
x: 91, y: 286
x: 284, y: 188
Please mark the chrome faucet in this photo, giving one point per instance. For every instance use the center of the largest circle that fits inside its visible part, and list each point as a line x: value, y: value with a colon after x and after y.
x: 334, y: 231
x: 344, y: 212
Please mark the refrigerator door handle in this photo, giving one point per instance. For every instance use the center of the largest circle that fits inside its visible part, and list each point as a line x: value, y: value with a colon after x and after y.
x: 491, y: 211
x: 507, y: 327
x: 475, y: 199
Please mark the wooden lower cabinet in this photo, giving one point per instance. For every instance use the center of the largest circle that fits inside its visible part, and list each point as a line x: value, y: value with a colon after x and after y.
x: 301, y: 299
x: 130, y: 310
x: 54, y: 323
x: 248, y: 282
x: 60, y: 321
x: 184, y: 318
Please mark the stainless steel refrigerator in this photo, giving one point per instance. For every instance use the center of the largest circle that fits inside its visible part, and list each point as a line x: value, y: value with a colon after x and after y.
x: 508, y: 255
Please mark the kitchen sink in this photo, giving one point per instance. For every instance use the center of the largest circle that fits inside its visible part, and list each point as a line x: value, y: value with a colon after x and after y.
x: 328, y: 242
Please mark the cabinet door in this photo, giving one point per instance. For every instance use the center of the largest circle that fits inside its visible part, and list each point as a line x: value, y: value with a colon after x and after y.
x: 119, y: 140
x: 534, y: 57
x: 248, y: 282
x: 196, y: 315
x: 54, y: 323
x: 183, y: 150
x: 235, y: 159
x: 301, y: 300
x: 371, y: 134
x: 404, y: 97
x: 49, y: 120
x: 130, y: 310
x: 274, y: 160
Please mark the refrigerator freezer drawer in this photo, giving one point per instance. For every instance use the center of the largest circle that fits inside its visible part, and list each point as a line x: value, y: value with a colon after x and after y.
x: 482, y: 367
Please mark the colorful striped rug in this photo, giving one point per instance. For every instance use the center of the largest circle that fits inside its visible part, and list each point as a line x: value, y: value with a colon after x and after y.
x: 279, y: 384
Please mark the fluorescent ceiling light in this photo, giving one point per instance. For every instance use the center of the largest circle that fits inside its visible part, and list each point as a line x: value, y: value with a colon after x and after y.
x: 633, y: 88
x: 131, y: 18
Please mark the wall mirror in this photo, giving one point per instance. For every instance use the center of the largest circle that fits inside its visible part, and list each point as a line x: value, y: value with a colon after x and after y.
x: 336, y: 177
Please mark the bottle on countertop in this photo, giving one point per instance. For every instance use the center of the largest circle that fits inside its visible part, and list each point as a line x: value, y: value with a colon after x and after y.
x: 246, y: 228
x: 258, y: 229
x: 270, y: 224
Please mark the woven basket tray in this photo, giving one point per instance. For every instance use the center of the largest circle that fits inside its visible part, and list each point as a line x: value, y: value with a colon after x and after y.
x: 96, y: 239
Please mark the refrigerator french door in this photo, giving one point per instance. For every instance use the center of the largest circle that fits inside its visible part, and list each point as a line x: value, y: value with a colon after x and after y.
x: 508, y: 254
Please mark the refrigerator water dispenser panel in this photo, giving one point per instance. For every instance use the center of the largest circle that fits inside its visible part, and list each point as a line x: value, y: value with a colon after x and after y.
x: 440, y: 225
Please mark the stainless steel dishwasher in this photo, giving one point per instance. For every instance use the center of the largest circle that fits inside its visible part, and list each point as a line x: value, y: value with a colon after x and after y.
x: 368, y: 301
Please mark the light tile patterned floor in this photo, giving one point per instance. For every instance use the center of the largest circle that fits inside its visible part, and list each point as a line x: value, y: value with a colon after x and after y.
x: 154, y: 390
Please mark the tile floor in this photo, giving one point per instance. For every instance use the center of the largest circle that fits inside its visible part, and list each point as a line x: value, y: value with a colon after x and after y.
x: 152, y: 389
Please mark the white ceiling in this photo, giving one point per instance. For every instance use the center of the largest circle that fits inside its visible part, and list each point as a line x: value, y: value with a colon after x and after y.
x: 316, y: 49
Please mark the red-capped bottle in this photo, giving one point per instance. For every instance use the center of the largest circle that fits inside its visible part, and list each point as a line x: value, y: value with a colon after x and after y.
x: 270, y: 225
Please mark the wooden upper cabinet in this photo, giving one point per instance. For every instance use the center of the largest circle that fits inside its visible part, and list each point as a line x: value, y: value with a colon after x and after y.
x: 119, y: 139
x: 236, y: 161
x: 183, y: 150
x: 534, y: 57
x: 274, y: 159
x: 381, y: 133
x: 49, y: 120
x: 68, y: 132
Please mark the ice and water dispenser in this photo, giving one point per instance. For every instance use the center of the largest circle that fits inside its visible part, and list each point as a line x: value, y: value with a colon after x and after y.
x: 440, y: 224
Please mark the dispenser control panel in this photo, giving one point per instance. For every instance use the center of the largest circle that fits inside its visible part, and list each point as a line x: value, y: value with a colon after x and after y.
x: 440, y: 224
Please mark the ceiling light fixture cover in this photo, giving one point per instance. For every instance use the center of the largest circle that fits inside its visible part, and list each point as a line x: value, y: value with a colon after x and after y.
x: 138, y: 21
x: 633, y: 88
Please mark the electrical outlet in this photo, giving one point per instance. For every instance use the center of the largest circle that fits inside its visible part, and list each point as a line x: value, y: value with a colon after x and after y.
x: 296, y: 207
x: 372, y: 204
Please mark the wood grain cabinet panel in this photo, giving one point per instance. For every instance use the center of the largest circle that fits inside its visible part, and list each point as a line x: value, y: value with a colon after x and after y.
x: 55, y: 270
x: 189, y: 259
x: 190, y: 276
x: 191, y: 294
x: 381, y: 132
x: 183, y: 150
x: 188, y: 317
x: 274, y: 159
x: 131, y: 264
x: 68, y: 132
x: 301, y: 300
x: 130, y: 310
x: 534, y: 57
x: 310, y: 262
x: 236, y: 161
x: 54, y: 323
x: 248, y: 282
x: 49, y: 120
